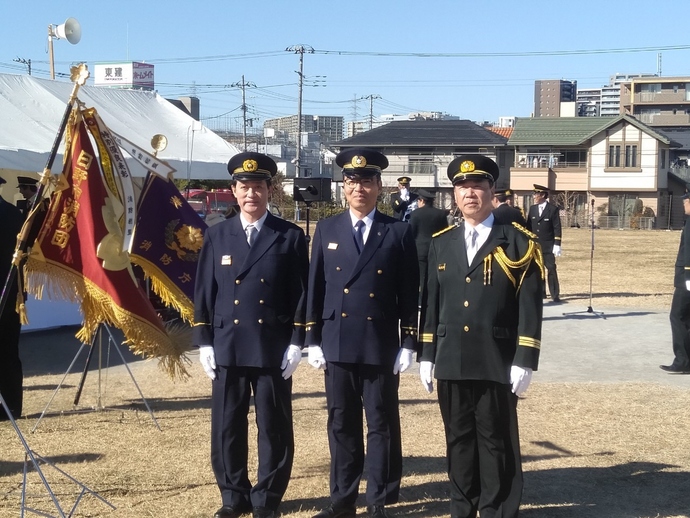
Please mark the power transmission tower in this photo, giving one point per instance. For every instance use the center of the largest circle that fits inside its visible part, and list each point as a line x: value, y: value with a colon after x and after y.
x: 244, y: 85
x: 299, y: 49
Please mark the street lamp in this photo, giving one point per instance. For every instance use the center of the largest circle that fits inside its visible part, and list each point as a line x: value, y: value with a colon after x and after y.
x: 70, y: 31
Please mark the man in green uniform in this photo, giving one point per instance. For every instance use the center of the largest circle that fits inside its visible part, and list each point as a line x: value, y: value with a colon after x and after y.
x: 482, y: 332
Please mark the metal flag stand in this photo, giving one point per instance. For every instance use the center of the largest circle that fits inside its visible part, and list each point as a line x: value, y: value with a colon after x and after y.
x: 589, y: 309
x: 97, y: 337
x: 35, y: 459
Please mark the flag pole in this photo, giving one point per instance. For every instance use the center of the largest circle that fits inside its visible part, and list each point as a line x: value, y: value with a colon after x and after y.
x: 78, y: 74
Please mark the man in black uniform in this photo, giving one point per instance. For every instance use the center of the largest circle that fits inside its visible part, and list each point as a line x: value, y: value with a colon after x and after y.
x: 504, y: 210
x: 403, y: 201
x: 482, y: 332
x: 11, y: 375
x: 250, y: 301
x: 426, y: 221
x: 545, y: 221
x: 680, y: 305
x: 362, y: 329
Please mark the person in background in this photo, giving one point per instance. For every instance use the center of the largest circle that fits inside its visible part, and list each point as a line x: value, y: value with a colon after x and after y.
x: 680, y: 304
x: 403, y: 201
x: 249, y: 313
x: 426, y: 221
x: 11, y: 374
x: 544, y: 220
x: 504, y: 210
x: 481, y: 339
x: 362, y: 330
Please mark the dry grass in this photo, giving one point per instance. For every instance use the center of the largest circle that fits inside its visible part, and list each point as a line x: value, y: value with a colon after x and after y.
x: 590, y: 450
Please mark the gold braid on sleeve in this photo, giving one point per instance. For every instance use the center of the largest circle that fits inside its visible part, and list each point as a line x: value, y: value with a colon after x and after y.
x: 507, y: 264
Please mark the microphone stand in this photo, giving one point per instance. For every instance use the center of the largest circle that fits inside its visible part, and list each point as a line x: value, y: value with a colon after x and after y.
x: 591, y: 270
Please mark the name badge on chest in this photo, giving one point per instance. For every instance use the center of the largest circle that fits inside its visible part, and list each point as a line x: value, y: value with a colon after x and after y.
x: 226, y: 260
x: 332, y: 246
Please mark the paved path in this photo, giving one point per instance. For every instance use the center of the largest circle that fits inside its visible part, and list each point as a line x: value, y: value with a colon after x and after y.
x: 619, y: 346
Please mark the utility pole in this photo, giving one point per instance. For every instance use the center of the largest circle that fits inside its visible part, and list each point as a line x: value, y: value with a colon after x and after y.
x: 243, y: 85
x: 23, y: 61
x: 299, y: 49
x: 371, y: 98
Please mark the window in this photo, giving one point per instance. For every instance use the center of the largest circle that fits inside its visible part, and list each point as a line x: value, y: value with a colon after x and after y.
x: 614, y: 156
x: 630, y: 156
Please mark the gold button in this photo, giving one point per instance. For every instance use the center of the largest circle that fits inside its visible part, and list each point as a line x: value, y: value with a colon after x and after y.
x: 344, y: 315
x: 261, y: 301
x: 261, y: 321
x: 379, y: 272
x: 346, y: 290
x: 237, y: 303
x: 467, y: 304
x: 337, y: 268
x: 371, y: 295
x: 467, y: 280
x: 262, y: 280
x: 369, y: 318
x: 467, y: 328
x: 236, y: 321
x: 237, y: 281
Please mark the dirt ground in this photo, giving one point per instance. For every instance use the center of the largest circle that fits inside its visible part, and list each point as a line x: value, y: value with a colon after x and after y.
x: 606, y: 450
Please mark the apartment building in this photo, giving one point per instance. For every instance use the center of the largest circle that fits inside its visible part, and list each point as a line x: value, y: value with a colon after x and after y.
x: 554, y: 98
x: 657, y: 101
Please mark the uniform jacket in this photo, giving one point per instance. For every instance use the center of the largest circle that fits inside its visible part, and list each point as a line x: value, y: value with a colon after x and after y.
x: 10, y: 224
x: 547, y: 227
x: 362, y: 308
x: 249, y: 303
x: 399, y: 205
x: 682, y: 269
x: 504, y: 213
x: 426, y: 221
x: 483, y: 317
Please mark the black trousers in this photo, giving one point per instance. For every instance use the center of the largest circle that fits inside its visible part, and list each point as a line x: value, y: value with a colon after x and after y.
x: 483, y: 448
x: 680, y: 327
x: 230, y: 397
x: 11, y: 375
x: 349, y: 389
x: 551, y: 276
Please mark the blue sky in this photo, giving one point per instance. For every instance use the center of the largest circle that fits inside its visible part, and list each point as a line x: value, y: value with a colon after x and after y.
x: 477, y: 60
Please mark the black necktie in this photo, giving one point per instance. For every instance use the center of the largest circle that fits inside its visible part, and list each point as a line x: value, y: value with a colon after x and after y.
x: 359, y: 236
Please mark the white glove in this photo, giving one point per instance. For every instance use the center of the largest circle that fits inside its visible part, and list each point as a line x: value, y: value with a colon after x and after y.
x: 207, y: 358
x: 291, y: 359
x: 404, y: 194
x: 403, y: 361
x: 426, y: 374
x: 315, y: 357
x: 557, y: 250
x: 520, y: 378
x: 687, y: 285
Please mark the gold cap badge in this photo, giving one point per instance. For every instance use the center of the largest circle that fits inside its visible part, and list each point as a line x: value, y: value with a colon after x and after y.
x: 250, y: 166
x: 359, y: 161
x: 467, y: 166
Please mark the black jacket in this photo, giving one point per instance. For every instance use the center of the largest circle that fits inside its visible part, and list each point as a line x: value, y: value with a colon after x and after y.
x: 249, y: 303
x: 547, y: 227
x: 483, y: 317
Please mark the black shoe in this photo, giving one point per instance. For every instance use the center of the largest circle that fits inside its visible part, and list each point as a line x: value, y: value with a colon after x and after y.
x: 674, y: 369
x: 232, y: 511
x: 378, y: 511
x: 333, y: 511
x: 556, y: 300
x: 263, y: 512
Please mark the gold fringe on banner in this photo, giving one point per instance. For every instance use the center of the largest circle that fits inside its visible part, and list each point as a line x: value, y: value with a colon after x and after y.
x: 97, y: 307
x: 169, y: 293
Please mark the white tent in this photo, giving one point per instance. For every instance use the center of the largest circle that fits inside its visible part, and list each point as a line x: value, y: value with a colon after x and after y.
x: 33, y: 108
x: 30, y: 113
